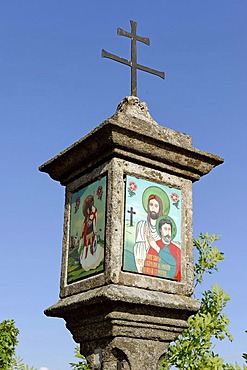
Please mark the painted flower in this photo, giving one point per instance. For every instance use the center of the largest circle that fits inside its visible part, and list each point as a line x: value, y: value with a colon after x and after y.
x: 77, y: 204
x: 99, y: 192
x: 174, y: 197
x: 132, y: 188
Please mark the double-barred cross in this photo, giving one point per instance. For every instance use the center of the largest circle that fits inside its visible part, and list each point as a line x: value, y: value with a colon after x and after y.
x: 133, y: 62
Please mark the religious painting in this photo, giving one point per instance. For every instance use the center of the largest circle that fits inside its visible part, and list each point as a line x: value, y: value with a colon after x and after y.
x: 87, y: 231
x: 152, y: 236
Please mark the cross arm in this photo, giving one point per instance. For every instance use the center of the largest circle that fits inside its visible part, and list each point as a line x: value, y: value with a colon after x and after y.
x: 150, y: 70
x: 133, y: 62
x: 105, y: 54
x: 121, y: 32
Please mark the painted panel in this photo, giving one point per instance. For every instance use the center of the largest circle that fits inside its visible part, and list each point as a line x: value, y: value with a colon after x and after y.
x: 152, y: 237
x: 87, y: 231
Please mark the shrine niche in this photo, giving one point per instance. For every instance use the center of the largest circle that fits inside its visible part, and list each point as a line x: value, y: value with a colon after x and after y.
x: 152, y: 237
x: 87, y: 231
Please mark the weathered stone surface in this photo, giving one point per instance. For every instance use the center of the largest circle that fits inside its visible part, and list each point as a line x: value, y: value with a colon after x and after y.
x: 124, y: 320
x: 113, y: 274
x: 136, y: 137
x: 125, y: 325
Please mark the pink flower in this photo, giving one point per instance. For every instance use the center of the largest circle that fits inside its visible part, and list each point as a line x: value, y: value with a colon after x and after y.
x: 132, y: 186
x: 77, y: 203
x: 99, y: 191
x: 174, y: 197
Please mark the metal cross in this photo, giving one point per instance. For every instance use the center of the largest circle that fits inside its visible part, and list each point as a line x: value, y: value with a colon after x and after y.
x: 133, y: 62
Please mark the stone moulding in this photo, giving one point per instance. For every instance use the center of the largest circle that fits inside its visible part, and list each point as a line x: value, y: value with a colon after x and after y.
x: 126, y: 320
x: 117, y: 169
x: 134, y: 137
x: 120, y: 293
x: 121, y: 321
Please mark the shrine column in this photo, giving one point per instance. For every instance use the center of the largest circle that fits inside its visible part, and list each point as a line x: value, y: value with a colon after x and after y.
x: 127, y: 260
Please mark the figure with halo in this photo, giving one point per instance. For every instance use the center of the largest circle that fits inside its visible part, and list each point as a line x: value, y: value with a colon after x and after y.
x: 154, y: 252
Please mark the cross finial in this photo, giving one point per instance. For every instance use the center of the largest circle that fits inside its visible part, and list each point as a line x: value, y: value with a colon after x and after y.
x: 133, y: 62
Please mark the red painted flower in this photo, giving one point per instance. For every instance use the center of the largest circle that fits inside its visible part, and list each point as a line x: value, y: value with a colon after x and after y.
x: 132, y: 186
x: 174, y: 197
x: 77, y: 202
x: 99, y: 192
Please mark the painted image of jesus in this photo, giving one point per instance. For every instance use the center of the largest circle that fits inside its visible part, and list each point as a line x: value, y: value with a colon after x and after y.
x: 153, y: 229
x: 146, y: 230
x: 155, y: 202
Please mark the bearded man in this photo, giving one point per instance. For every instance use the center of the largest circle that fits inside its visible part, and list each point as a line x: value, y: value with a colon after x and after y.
x: 164, y: 257
x: 146, y: 229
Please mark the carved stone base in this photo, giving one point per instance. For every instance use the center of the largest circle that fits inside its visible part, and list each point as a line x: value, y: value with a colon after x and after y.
x: 124, y: 353
x: 124, y: 328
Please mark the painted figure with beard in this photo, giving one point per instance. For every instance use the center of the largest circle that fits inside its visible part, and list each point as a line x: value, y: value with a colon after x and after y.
x: 164, y: 257
x: 146, y: 229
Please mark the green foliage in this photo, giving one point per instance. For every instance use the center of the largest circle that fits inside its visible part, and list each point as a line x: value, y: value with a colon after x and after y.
x: 81, y: 365
x: 209, y: 256
x: 212, y: 305
x: 18, y: 364
x: 193, y: 349
x: 8, y: 342
x: 245, y: 354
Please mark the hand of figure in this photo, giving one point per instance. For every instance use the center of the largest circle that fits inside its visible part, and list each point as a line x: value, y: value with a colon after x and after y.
x: 153, y: 244
x: 150, y: 240
x: 147, y: 237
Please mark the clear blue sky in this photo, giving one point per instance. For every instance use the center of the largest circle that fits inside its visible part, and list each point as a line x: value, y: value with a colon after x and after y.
x: 54, y: 88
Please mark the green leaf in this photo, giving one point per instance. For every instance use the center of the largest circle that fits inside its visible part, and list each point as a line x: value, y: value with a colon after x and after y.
x: 193, y: 349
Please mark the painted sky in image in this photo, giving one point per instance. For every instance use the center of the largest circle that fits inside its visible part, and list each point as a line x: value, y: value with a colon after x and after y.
x: 55, y: 88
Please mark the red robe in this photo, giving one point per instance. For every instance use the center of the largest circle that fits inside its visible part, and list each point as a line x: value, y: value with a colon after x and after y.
x: 88, y: 229
x: 151, y: 264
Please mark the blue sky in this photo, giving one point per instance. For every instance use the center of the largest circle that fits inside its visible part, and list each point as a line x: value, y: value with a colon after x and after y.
x: 55, y: 87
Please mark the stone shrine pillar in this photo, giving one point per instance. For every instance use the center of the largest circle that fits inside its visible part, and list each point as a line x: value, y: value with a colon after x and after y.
x: 127, y: 261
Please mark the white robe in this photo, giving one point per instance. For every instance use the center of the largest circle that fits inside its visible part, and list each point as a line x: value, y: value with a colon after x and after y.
x: 92, y: 261
x: 140, y: 247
